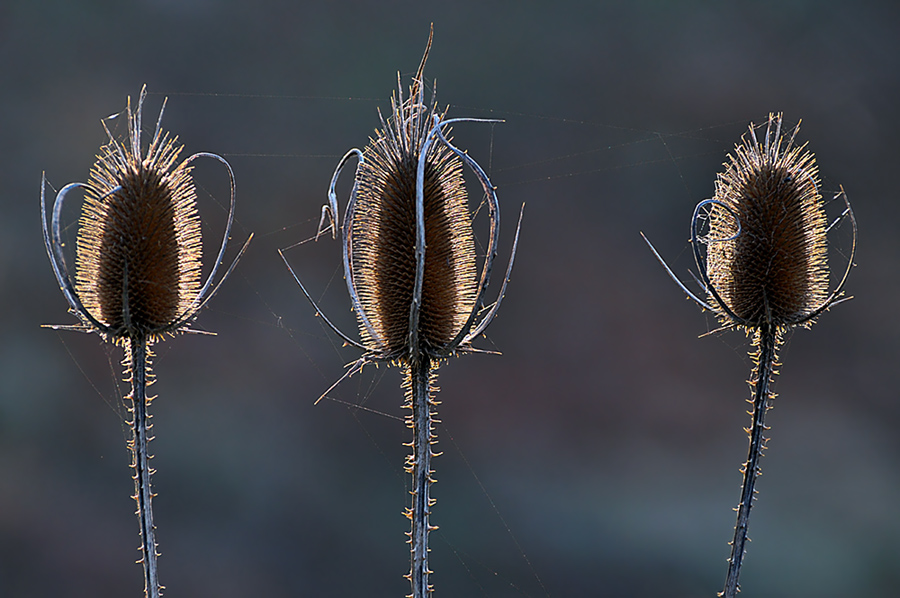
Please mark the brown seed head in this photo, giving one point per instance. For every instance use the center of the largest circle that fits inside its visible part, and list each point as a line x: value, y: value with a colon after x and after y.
x: 766, y: 248
x: 138, y: 257
x: 383, y: 233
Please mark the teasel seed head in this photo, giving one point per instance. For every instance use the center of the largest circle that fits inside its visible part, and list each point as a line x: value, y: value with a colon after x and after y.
x: 409, y: 253
x: 139, y: 249
x: 766, y: 247
x: 766, y: 261
x: 383, y: 235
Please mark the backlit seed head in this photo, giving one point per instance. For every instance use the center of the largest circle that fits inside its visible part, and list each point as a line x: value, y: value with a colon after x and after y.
x: 383, y: 233
x: 766, y: 248
x: 138, y: 256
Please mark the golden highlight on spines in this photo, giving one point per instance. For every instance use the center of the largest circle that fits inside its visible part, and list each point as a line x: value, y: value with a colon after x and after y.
x: 767, y: 247
x: 138, y: 259
x: 383, y: 237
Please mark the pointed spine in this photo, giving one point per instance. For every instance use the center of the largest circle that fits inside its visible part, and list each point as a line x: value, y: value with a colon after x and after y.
x: 767, y: 341
x: 143, y: 493
x: 419, y: 378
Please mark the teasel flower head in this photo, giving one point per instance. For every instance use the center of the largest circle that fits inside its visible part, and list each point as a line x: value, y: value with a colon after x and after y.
x: 766, y: 242
x: 774, y: 267
x: 138, y: 252
x: 383, y: 236
x: 408, y: 245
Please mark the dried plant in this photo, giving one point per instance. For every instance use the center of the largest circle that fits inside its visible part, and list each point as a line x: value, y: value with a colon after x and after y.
x: 765, y: 270
x: 410, y: 266
x: 137, y: 272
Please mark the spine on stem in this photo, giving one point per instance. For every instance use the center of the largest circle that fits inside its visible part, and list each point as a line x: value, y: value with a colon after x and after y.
x: 767, y: 341
x: 143, y: 493
x: 419, y: 378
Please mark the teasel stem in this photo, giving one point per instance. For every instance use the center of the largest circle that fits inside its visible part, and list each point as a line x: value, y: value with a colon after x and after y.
x: 765, y: 270
x: 767, y: 340
x: 410, y: 264
x: 137, y: 275
x: 421, y: 420
x: 143, y: 494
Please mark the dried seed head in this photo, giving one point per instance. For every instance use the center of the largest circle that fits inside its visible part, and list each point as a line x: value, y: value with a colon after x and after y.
x: 138, y: 257
x: 383, y: 233
x: 766, y: 248
x: 766, y: 270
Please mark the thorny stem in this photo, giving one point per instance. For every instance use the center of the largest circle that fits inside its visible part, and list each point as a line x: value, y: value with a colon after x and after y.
x: 419, y: 465
x: 143, y: 495
x: 767, y: 340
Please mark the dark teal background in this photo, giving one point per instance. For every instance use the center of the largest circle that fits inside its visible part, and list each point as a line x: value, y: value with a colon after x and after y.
x: 599, y: 455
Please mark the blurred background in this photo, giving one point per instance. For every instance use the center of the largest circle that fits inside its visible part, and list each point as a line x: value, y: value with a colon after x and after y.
x: 600, y: 454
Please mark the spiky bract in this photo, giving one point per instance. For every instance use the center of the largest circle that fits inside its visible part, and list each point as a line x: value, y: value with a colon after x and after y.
x: 139, y: 249
x: 766, y: 249
x: 383, y: 235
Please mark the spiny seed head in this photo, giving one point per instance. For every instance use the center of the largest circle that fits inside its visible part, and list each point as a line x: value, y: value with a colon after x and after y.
x: 766, y: 248
x: 383, y: 234
x: 138, y: 256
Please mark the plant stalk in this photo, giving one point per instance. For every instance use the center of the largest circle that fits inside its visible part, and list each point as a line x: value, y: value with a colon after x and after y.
x: 419, y: 465
x: 767, y: 341
x: 143, y: 495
